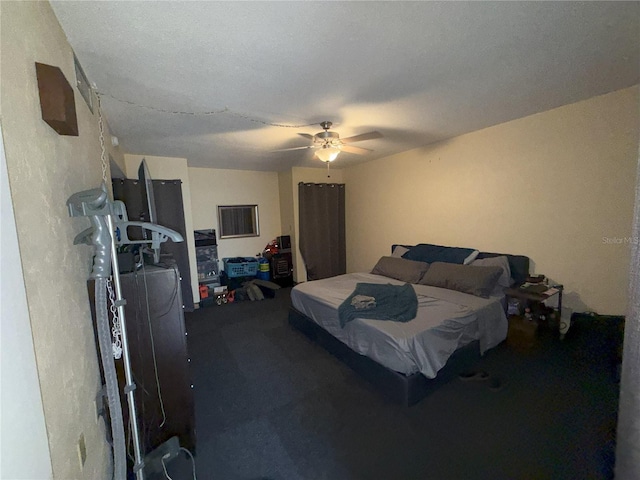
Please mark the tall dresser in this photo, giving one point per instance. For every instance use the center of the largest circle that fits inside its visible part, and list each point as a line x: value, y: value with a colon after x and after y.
x: 159, y: 360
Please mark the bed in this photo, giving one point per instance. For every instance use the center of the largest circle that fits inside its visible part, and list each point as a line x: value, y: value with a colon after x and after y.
x: 454, y: 325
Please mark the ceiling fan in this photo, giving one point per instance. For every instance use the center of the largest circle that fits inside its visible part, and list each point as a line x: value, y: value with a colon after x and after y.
x: 328, y: 144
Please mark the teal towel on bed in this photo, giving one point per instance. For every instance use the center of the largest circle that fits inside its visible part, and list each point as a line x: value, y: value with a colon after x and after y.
x: 397, y: 303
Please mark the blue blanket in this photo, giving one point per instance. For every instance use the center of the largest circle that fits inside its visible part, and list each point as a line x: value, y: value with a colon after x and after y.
x: 398, y: 303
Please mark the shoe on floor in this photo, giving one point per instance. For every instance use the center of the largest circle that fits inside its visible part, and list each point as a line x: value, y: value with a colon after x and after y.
x: 473, y: 375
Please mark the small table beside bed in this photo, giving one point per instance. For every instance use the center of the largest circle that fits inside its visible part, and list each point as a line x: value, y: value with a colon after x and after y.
x: 460, y: 315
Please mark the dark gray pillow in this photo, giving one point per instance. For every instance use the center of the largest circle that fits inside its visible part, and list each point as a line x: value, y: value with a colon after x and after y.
x: 401, y: 269
x: 478, y: 281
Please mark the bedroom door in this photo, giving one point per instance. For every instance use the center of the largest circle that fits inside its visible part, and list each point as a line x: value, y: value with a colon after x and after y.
x: 322, y: 229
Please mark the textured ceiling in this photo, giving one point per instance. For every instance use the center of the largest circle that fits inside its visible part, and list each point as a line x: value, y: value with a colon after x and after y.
x: 417, y: 72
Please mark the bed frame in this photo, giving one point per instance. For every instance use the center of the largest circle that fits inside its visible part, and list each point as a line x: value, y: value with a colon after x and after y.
x: 403, y: 389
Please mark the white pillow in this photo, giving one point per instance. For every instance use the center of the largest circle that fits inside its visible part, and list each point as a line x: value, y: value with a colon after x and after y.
x: 399, y: 251
x: 505, y: 279
x: 472, y: 256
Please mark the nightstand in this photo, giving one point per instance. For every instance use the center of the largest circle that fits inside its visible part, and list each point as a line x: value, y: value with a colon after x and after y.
x: 533, y: 295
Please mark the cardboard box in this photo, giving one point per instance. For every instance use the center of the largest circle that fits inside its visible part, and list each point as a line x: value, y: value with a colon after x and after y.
x: 522, y: 333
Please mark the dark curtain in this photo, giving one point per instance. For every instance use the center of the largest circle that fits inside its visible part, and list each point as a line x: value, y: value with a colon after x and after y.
x: 322, y: 229
x: 170, y: 214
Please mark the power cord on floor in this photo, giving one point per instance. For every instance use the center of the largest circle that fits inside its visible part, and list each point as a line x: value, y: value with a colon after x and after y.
x: 193, y: 463
x: 164, y: 467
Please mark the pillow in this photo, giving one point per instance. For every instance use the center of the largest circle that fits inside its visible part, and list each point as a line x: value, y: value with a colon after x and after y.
x: 425, y: 252
x: 471, y: 257
x: 400, y: 269
x: 399, y: 250
x: 505, y: 280
x: 518, y: 265
x: 478, y: 281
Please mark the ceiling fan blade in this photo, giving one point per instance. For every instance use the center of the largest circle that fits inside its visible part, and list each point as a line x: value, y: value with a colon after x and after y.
x: 306, y: 135
x: 294, y: 148
x: 356, y: 150
x: 361, y: 137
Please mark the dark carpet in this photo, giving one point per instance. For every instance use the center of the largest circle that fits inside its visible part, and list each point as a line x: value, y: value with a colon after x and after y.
x: 270, y: 404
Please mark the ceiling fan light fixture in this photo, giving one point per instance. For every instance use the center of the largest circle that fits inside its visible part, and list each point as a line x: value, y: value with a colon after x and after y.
x: 328, y: 153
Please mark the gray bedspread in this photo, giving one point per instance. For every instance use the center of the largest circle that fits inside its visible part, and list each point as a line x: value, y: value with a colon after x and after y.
x: 398, y: 303
x: 446, y: 320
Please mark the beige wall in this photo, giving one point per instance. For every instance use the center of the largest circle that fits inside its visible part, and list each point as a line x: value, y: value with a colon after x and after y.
x: 556, y: 186
x: 171, y: 168
x: 24, y: 447
x: 115, y: 155
x: 306, y: 175
x: 287, y: 219
x: 211, y: 187
x: 44, y: 169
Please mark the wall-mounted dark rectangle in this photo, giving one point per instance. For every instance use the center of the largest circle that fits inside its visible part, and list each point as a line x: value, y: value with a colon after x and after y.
x: 56, y: 100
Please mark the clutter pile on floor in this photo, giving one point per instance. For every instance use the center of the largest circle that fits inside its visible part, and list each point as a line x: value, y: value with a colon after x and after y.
x: 256, y: 289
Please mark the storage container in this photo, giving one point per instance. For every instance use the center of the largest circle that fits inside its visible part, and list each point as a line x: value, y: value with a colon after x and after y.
x: 207, y: 257
x: 240, y: 267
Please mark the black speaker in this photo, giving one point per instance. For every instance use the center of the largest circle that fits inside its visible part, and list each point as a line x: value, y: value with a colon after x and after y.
x: 284, y: 242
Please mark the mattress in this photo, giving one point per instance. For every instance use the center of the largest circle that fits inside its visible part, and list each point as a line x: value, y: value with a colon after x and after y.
x: 446, y: 320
